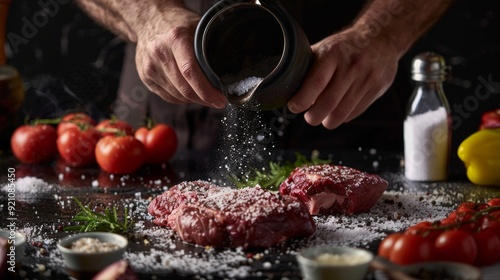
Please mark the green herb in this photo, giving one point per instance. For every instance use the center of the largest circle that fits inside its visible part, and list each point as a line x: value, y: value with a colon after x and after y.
x: 272, y: 177
x: 92, y: 221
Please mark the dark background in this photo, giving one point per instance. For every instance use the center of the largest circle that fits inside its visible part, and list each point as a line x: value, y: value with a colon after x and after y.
x: 71, y: 62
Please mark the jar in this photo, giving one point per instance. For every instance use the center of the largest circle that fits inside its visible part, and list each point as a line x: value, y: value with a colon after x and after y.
x: 428, y: 122
x: 253, y: 51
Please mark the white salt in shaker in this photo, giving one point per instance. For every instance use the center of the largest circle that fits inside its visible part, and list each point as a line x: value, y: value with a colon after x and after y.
x: 427, y: 127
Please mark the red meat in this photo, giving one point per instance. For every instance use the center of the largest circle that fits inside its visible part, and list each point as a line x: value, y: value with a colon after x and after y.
x: 334, y: 189
x: 205, y: 214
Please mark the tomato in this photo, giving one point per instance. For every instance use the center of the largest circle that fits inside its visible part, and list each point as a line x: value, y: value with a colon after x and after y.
x: 492, y: 225
x: 160, y: 142
x: 385, y: 247
x: 76, y: 145
x: 456, y: 245
x: 411, y: 248
x: 494, y: 202
x: 34, y: 143
x: 490, y: 119
x: 114, y: 126
x: 466, y: 206
x: 73, y: 120
x: 488, y: 247
x: 120, y: 154
x: 425, y: 229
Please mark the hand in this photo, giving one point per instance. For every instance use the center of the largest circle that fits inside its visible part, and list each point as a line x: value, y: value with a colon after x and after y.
x: 349, y: 73
x: 167, y: 64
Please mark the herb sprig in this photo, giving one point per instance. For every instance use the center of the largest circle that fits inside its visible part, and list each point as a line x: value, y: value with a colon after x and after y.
x: 272, y: 177
x: 107, y: 221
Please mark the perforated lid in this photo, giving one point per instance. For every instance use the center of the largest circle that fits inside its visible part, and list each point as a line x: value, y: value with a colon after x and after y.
x: 429, y: 66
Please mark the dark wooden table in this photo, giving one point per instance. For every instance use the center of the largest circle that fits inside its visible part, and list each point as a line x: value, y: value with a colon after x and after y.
x: 42, y: 215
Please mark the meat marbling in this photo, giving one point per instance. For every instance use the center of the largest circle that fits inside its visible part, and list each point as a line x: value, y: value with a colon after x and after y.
x: 334, y: 189
x: 206, y: 214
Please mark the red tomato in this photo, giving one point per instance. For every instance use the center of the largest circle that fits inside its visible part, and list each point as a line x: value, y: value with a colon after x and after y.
x: 456, y: 245
x: 466, y: 207
x: 385, y: 247
x: 492, y: 225
x: 120, y: 154
x: 490, y: 119
x: 411, y: 248
x: 114, y: 126
x: 488, y: 247
x: 425, y: 229
x: 77, y: 146
x: 73, y: 120
x: 160, y: 142
x: 34, y: 143
x: 494, y: 201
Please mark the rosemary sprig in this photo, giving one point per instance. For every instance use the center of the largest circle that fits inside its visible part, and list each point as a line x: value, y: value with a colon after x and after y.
x: 272, y: 177
x: 91, y: 221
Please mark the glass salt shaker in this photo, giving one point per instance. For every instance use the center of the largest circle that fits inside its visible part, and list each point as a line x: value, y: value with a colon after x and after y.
x: 427, y: 126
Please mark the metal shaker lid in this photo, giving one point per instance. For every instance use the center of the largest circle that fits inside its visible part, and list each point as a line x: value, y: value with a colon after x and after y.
x: 429, y: 66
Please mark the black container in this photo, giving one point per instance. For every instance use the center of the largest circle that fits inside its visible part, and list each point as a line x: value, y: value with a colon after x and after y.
x: 236, y: 40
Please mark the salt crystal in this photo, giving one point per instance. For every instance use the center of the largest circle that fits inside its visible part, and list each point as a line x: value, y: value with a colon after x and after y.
x: 241, y: 87
x: 29, y: 185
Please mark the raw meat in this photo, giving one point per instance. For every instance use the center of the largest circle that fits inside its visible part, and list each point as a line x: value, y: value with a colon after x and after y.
x: 334, y: 189
x: 205, y: 214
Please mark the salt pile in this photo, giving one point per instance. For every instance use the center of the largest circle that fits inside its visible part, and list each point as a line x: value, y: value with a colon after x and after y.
x: 241, y: 87
x: 29, y: 185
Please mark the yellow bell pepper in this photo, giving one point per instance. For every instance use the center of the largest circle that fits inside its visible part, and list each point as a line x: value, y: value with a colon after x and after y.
x: 480, y: 153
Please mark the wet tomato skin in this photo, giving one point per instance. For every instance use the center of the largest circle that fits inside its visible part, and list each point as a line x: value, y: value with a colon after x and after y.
x: 457, y: 246
x: 34, y: 143
x: 120, y: 154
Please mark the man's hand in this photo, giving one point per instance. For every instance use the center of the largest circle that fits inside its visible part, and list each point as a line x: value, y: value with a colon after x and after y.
x: 167, y: 65
x: 345, y: 79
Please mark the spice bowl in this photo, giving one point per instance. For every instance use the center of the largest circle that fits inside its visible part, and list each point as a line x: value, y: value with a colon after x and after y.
x: 334, y: 262
x: 91, y: 251
x: 16, y: 239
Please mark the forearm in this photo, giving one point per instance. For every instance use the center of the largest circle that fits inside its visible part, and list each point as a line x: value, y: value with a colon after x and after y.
x: 399, y: 22
x: 131, y: 19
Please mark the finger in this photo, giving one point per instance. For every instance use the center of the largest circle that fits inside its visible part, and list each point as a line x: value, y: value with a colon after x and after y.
x: 314, y: 83
x: 344, y: 109
x: 191, y: 72
x: 329, y: 99
x: 165, y: 94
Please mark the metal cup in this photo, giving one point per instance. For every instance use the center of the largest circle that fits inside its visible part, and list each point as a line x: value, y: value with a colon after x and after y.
x: 254, y: 52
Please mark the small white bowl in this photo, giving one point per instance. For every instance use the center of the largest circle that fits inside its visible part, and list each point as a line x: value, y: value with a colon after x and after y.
x: 356, y: 267
x: 19, y: 242
x: 92, y: 262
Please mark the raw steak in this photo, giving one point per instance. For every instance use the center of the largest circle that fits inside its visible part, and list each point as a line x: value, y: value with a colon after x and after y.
x: 334, y: 189
x: 205, y: 214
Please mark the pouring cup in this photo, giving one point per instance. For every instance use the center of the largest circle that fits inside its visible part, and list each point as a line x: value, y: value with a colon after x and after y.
x: 253, y: 51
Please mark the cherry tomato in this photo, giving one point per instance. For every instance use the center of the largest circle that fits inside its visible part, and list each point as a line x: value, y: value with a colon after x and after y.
x: 120, y: 154
x: 488, y: 247
x: 411, y: 248
x: 425, y: 229
x: 385, y: 247
x: 34, y: 143
x: 160, y: 142
x: 494, y: 202
x: 76, y: 145
x: 492, y: 225
x: 113, y: 126
x: 466, y: 206
x: 456, y: 245
x: 74, y: 120
x: 490, y: 119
